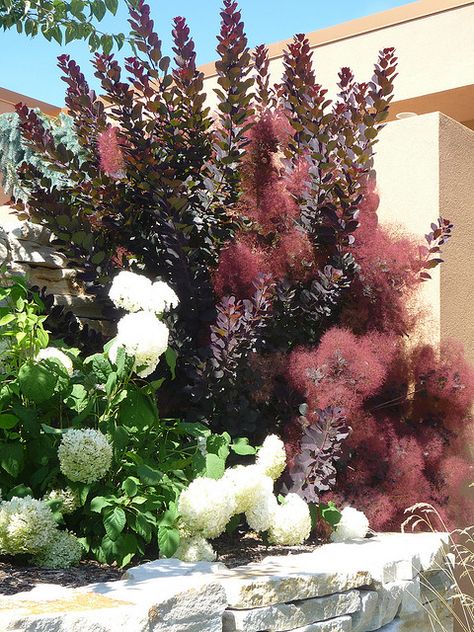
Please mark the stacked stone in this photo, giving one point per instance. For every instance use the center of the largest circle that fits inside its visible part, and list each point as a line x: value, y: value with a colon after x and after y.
x: 385, y: 583
x: 26, y: 250
x: 388, y: 583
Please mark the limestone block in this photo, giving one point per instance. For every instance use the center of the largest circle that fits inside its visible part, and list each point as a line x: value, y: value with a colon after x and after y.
x: 340, y: 624
x: 367, y: 611
x: 4, y: 252
x: 83, y: 306
x: 171, y: 568
x: 378, y: 607
x: 44, y: 274
x: 164, y: 604
x: 282, y: 579
x: 27, y: 231
x: 411, y: 598
x: 33, y: 253
x: 420, y: 622
x: 436, y: 585
x: 289, y: 616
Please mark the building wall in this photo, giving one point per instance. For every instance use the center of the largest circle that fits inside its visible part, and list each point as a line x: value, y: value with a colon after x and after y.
x: 425, y: 169
x: 457, y: 202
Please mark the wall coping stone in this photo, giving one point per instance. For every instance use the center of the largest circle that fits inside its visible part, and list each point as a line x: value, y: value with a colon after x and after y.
x: 355, y: 586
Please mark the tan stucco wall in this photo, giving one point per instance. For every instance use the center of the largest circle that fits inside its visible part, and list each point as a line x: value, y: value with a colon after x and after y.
x: 425, y: 169
x: 407, y: 166
x: 457, y: 202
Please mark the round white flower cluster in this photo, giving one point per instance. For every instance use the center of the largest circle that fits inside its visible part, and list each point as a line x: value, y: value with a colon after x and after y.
x: 291, y: 523
x: 249, y: 486
x: 260, y: 516
x: 207, y: 505
x: 353, y: 524
x: 141, y: 333
x: 271, y: 457
x: 68, y: 499
x: 195, y: 549
x: 51, y: 353
x: 143, y: 337
x: 27, y: 525
x: 64, y: 550
x: 135, y: 292
x: 85, y: 455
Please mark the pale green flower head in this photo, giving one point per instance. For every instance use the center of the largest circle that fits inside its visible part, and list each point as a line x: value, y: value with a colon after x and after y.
x: 85, y: 455
x: 26, y: 525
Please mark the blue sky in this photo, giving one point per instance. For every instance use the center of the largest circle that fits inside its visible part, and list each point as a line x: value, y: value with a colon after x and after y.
x: 29, y: 65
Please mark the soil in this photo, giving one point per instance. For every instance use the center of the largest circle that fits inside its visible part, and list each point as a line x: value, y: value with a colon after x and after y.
x: 16, y: 577
x: 231, y: 550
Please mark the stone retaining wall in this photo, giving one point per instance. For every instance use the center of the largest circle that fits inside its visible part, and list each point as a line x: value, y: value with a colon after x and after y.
x: 26, y: 250
x: 384, y: 583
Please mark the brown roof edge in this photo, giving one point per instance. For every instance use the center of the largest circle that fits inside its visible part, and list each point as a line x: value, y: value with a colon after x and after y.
x: 366, y: 24
x: 12, y: 98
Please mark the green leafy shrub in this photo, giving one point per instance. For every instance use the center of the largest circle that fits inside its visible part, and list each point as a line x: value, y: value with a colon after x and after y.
x: 85, y: 434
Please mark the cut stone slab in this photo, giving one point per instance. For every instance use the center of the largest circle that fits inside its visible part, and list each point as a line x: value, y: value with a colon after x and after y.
x: 33, y: 253
x: 166, y: 604
x: 367, y: 611
x: 341, y: 624
x: 436, y: 585
x: 288, y: 616
x: 285, y: 579
x: 171, y: 568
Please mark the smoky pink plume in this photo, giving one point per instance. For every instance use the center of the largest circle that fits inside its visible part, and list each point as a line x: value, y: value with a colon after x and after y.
x: 110, y: 152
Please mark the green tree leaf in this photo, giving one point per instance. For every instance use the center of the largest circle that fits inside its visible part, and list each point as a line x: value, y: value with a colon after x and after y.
x: 37, y: 382
x: 12, y: 458
x: 149, y: 475
x: 114, y: 522
x: 8, y: 421
x: 168, y: 540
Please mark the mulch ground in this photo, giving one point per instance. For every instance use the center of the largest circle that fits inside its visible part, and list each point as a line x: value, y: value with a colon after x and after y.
x: 232, y: 551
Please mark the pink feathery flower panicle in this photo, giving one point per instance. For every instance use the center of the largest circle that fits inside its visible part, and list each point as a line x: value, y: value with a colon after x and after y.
x: 110, y: 152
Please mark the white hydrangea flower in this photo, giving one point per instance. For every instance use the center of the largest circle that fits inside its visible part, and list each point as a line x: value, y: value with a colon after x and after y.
x: 27, y: 525
x: 260, y: 516
x: 206, y: 506
x: 161, y: 299
x: 271, y: 457
x: 195, y: 549
x: 51, y: 353
x: 143, y: 337
x: 291, y: 524
x: 135, y: 292
x: 129, y: 291
x: 84, y: 455
x: 353, y: 524
x: 250, y: 486
x: 64, y: 550
x: 68, y: 499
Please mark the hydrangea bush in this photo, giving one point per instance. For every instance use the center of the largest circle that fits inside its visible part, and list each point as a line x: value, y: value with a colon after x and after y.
x: 82, y: 445
x: 206, y: 507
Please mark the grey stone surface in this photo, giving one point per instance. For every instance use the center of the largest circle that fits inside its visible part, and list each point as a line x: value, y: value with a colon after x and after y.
x: 366, y: 613
x: 278, y: 594
x: 36, y: 254
x: 275, y: 582
x: 288, y: 616
x: 164, y: 604
x: 340, y: 624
